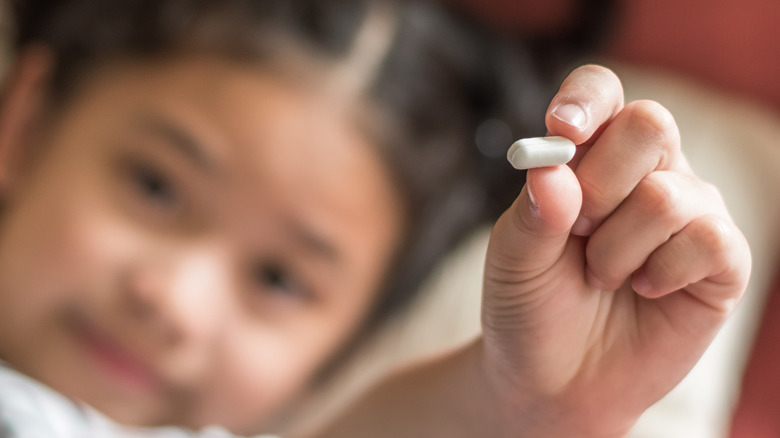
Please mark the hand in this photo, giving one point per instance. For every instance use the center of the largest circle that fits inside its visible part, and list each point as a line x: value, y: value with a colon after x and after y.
x: 607, y: 278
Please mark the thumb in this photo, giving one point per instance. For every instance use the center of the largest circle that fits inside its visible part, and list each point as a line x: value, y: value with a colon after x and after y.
x: 531, y: 235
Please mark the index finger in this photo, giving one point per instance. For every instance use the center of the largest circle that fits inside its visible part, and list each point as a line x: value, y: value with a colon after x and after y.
x: 588, y: 98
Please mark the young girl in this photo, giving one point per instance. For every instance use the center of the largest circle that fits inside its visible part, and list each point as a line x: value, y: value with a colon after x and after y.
x: 203, y: 202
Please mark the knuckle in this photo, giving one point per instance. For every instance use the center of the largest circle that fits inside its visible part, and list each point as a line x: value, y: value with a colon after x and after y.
x: 658, y: 197
x: 714, y: 234
x: 654, y: 124
x: 600, y: 71
x: 712, y: 192
x: 589, y: 84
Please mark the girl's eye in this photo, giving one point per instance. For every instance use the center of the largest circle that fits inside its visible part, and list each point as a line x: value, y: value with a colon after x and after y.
x: 278, y: 280
x: 154, y: 185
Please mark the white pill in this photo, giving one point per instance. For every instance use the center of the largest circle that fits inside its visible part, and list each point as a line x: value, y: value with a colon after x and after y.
x: 528, y: 153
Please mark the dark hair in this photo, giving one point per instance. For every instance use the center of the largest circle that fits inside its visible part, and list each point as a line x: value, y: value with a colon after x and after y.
x: 452, y: 97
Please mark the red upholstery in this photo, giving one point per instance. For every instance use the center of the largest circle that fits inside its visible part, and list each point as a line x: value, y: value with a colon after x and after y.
x: 758, y: 412
x: 732, y: 44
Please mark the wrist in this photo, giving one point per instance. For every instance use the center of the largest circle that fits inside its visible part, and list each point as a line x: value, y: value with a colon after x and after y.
x: 525, y: 409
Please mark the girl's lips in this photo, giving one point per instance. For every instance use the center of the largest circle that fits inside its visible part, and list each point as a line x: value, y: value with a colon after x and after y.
x: 111, y: 357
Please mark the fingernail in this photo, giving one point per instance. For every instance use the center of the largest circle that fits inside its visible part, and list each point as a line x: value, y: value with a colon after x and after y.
x: 532, y: 198
x: 641, y: 284
x: 571, y: 114
x: 582, y: 226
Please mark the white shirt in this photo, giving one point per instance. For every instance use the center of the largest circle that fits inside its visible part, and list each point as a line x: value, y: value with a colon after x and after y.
x: 29, y: 409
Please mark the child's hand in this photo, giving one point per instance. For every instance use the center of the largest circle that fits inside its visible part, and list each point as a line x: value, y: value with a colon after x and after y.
x: 607, y: 278
x: 587, y: 321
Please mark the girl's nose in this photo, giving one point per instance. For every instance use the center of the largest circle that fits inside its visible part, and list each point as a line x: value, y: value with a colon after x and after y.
x: 181, y: 299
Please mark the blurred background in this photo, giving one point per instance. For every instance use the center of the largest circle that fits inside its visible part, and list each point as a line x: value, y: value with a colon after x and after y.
x: 729, y: 44
x: 716, y: 65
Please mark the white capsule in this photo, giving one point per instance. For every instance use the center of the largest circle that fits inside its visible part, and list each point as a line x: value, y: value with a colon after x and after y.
x: 528, y: 153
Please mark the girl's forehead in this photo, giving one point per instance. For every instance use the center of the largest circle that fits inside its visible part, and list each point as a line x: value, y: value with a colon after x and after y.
x: 272, y: 125
x: 236, y: 107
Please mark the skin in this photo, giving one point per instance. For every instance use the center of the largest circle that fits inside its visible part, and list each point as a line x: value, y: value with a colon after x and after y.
x: 183, y: 242
x: 604, y: 283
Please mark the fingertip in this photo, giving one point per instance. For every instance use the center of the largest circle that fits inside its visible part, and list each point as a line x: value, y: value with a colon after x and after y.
x: 594, y: 281
x: 583, y: 226
x: 588, y: 98
x: 554, y: 195
x: 641, y: 284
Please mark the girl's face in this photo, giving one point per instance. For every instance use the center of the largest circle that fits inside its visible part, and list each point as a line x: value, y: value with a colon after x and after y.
x: 189, y: 241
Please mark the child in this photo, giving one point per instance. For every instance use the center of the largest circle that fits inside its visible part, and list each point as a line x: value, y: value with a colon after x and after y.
x: 202, y: 199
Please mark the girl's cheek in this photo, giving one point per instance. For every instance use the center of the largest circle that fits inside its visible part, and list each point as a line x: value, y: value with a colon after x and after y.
x: 247, y: 385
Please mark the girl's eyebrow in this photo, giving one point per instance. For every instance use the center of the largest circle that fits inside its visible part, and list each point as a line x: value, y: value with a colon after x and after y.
x: 180, y: 139
x: 316, y: 243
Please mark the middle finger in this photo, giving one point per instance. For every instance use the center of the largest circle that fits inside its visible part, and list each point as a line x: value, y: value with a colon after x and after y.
x: 642, y: 138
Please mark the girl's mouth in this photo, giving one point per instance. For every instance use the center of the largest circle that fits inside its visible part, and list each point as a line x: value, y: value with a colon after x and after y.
x: 116, y: 361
